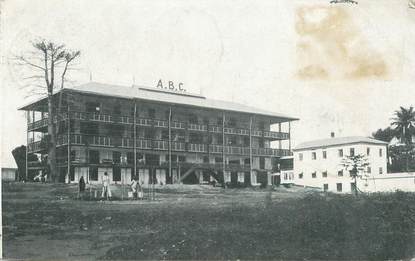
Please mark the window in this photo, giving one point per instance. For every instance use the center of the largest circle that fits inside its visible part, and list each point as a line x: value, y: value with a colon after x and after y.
x: 380, y: 170
x: 93, y: 173
x: 247, y: 161
x: 339, y: 187
x: 324, y: 154
x: 300, y: 156
x: 205, y: 159
x: 367, y: 151
x: 351, y: 152
x: 340, y: 173
x: 325, y: 187
x: 340, y: 152
x: 218, y: 159
x: 351, y: 173
x: 380, y: 152
x: 300, y: 176
x: 313, y: 155
x: 324, y: 174
x: 116, y: 174
x: 182, y: 158
x: 314, y: 175
x: 369, y: 170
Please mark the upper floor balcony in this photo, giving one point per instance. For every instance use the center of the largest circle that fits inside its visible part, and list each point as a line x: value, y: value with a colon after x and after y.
x: 41, y: 125
x: 158, y: 145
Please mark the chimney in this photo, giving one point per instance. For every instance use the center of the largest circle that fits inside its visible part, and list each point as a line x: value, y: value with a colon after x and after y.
x: 332, y: 134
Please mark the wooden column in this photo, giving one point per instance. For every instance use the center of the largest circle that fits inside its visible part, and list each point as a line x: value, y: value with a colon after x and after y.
x: 223, y: 147
x: 69, y: 147
x: 135, y: 138
x: 27, y: 142
x: 250, y: 147
x: 289, y: 136
x: 170, y: 145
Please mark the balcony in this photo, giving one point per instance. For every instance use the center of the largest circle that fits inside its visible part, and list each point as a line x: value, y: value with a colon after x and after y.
x: 38, y: 124
x: 100, y: 117
x: 160, y: 145
x: 197, y: 127
x: 143, y: 122
x: 215, y: 148
x: 178, y: 146
x: 215, y: 129
x: 161, y: 123
x: 143, y: 144
x: 276, y: 135
x: 197, y: 147
x: 178, y: 125
x: 236, y: 131
x: 36, y: 146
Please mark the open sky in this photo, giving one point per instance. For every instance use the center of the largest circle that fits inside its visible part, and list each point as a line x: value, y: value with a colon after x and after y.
x: 338, y: 67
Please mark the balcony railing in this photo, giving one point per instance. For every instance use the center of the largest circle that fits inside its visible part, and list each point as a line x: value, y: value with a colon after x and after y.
x: 124, y: 142
x: 160, y: 145
x: 197, y: 147
x: 215, y: 129
x: 177, y: 125
x: 178, y: 146
x: 34, y: 146
x: 197, y: 127
x: 161, y: 123
x: 107, y: 118
x: 38, y: 124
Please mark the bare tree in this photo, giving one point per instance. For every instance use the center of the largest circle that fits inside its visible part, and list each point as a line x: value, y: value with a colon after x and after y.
x: 356, y: 164
x: 47, y: 62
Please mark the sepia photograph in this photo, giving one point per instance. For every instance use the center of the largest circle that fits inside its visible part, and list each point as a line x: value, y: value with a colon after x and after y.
x: 207, y: 130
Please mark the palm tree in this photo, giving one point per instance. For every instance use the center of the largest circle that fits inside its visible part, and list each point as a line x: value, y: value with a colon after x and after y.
x: 404, y: 122
x: 356, y: 164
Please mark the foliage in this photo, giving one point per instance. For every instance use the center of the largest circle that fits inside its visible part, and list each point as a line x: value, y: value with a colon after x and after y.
x: 402, y: 158
x: 19, y: 154
x: 385, y: 135
x: 356, y: 164
x: 404, y: 122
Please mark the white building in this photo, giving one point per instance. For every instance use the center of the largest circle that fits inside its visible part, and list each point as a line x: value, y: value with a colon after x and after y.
x: 319, y: 163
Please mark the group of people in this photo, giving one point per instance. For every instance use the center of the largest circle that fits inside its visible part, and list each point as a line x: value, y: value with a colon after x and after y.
x: 136, y: 188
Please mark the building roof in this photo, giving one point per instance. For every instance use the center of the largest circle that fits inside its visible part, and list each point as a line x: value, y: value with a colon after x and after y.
x: 338, y: 141
x: 171, y: 97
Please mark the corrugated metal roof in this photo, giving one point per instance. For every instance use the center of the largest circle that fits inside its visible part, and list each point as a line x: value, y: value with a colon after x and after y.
x: 337, y: 141
x: 153, y: 94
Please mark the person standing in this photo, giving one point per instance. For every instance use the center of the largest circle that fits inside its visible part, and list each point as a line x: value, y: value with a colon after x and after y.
x: 134, y: 184
x: 106, y: 191
x: 81, y: 187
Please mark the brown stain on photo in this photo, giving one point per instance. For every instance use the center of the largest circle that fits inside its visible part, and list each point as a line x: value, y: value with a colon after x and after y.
x: 330, y: 46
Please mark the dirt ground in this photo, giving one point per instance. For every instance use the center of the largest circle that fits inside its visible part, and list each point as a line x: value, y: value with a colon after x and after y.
x: 46, y: 221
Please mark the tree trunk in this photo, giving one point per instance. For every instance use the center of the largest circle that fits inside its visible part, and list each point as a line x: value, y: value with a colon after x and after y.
x: 53, y: 174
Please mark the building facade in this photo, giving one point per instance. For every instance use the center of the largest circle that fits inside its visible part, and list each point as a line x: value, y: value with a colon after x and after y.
x: 319, y: 163
x: 162, y: 136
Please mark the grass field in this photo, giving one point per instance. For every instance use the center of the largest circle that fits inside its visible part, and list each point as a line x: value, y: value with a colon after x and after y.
x: 45, y: 221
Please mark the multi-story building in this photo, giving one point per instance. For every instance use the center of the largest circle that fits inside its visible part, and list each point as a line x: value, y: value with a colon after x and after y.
x: 163, y: 136
x: 318, y: 163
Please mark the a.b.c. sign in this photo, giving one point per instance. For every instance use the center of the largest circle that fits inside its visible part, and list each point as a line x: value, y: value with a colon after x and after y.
x: 170, y: 86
